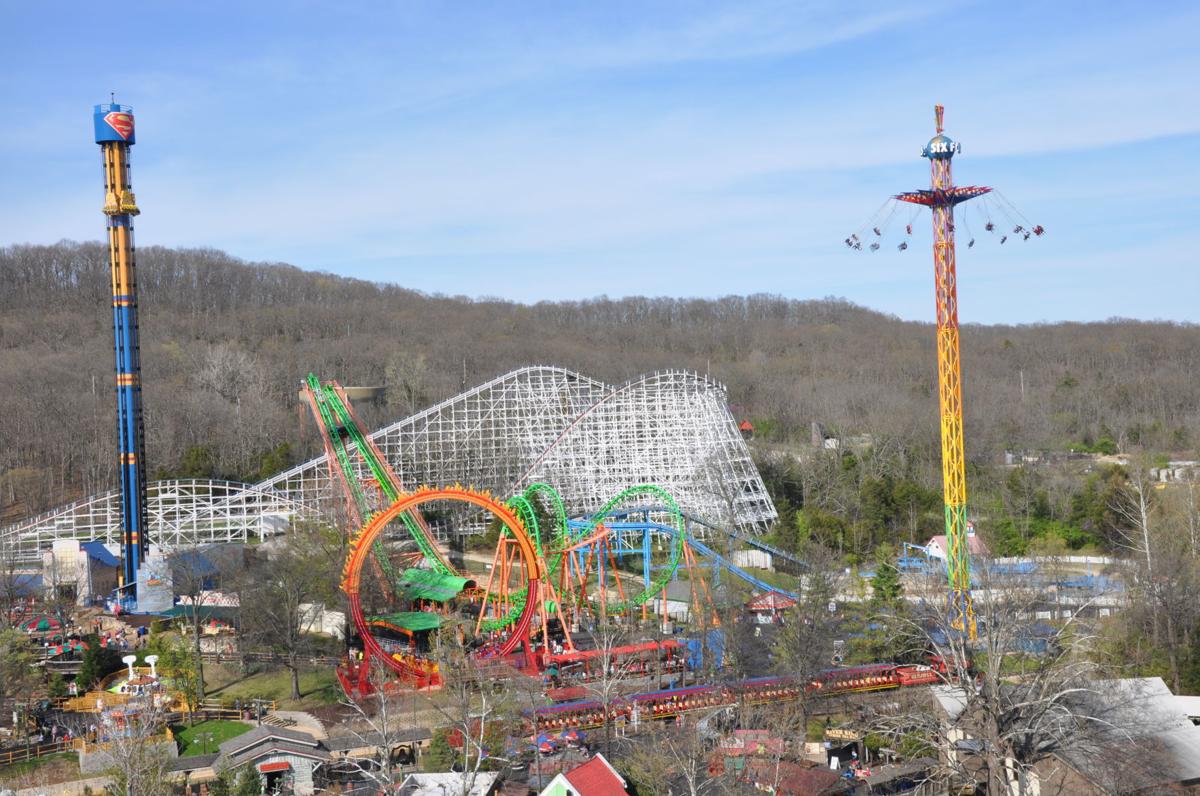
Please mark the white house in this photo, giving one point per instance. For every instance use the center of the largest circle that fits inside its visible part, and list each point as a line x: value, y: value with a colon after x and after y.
x: 937, y: 546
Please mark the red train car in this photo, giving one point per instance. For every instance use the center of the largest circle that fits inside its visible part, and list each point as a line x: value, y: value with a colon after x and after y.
x: 918, y: 675
x: 672, y: 702
x: 645, y: 659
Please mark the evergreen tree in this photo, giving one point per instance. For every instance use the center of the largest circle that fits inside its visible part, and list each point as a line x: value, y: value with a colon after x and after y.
x: 98, y: 662
x: 56, y: 686
x: 248, y: 783
x: 242, y: 781
x: 176, y: 665
x: 439, y: 756
x: 17, y: 658
x: 222, y: 785
x: 885, y: 586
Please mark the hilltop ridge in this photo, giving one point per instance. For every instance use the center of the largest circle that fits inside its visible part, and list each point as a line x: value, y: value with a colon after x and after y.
x: 225, y: 342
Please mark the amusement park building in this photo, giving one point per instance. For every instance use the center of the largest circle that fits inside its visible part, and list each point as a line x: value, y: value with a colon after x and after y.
x: 587, y: 439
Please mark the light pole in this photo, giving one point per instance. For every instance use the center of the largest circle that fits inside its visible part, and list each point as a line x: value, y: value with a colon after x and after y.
x: 128, y: 661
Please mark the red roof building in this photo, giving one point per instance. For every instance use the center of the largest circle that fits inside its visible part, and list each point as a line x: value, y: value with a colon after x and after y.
x: 754, y: 742
x: 771, y: 602
x: 596, y: 777
x: 786, y: 778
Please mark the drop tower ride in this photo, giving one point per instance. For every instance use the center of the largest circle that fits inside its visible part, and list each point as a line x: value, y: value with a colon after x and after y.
x: 114, y: 133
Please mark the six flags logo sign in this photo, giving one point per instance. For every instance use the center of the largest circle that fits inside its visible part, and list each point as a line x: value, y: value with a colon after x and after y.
x: 121, y: 122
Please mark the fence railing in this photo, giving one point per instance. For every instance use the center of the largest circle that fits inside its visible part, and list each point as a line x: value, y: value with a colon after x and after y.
x: 1095, y: 560
x: 90, y: 747
x: 94, y: 702
x: 267, y: 657
x: 11, y: 756
x: 225, y: 709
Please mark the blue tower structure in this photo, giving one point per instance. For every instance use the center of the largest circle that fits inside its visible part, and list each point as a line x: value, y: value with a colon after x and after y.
x: 114, y: 133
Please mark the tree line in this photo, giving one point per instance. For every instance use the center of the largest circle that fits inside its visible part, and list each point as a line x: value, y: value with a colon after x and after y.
x: 226, y: 343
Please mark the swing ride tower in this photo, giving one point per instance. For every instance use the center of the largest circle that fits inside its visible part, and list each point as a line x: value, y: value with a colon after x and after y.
x: 941, y: 199
x: 113, y: 125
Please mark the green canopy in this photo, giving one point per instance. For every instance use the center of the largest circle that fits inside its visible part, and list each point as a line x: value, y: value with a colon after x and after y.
x: 412, y: 621
x: 40, y: 623
x: 425, y: 584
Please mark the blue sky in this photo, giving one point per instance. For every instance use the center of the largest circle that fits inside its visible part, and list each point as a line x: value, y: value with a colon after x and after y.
x: 555, y: 150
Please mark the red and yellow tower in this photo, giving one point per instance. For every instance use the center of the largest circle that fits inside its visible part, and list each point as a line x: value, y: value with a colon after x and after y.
x: 941, y: 199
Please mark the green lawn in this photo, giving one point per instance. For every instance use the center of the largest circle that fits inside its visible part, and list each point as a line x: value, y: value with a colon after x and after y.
x: 196, y: 740
x: 780, y: 580
x: 317, y: 686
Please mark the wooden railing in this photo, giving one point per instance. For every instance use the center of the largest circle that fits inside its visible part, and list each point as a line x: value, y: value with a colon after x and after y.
x: 267, y: 657
x: 81, y: 745
x: 223, y: 709
x: 87, y: 702
x: 32, y: 752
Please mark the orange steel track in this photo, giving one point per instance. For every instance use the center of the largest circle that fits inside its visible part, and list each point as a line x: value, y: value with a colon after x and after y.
x: 417, y: 669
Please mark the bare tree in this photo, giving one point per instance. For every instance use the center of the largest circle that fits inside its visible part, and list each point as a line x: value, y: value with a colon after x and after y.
x: 607, y: 681
x: 193, y: 576
x: 407, y: 375
x: 377, y: 724
x: 530, y: 694
x: 787, y: 727
x: 16, y: 586
x: 746, y: 644
x: 804, y: 643
x: 139, y: 751
x: 1034, y: 386
x: 671, y: 760
x: 60, y: 582
x: 1134, y: 507
x: 295, y: 575
x: 1161, y: 606
x: 1007, y: 702
x: 475, y: 705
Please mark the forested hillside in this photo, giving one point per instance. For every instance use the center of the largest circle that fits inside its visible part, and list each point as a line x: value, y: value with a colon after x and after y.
x: 225, y: 345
